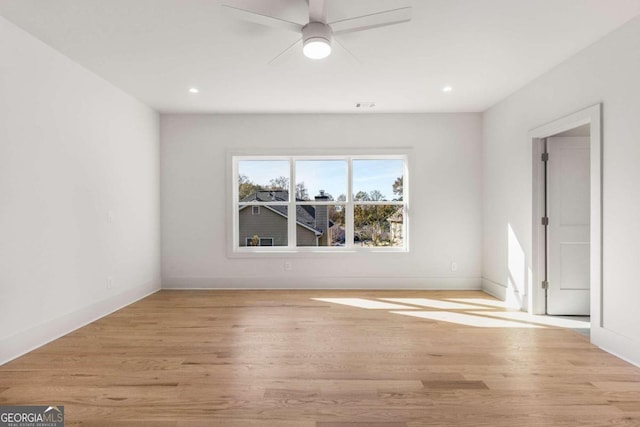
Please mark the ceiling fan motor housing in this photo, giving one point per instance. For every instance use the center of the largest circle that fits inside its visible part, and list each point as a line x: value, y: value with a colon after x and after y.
x: 316, y: 31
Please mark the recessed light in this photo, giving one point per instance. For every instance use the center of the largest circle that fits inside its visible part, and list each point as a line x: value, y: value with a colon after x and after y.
x: 194, y: 90
x: 447, y: 88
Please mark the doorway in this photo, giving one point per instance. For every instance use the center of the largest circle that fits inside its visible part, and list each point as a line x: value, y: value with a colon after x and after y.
x: 566, y: 216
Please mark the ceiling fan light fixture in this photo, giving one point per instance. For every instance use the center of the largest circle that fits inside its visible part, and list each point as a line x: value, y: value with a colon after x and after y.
x: 316, y: 38
x: 316, y: 48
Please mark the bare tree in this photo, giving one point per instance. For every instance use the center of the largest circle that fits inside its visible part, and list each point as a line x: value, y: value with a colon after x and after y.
x: 301, y: 191
x: 376, y: 196
x: 280, y: 183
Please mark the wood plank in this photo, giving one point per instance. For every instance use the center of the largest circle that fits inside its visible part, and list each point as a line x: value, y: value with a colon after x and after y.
x: 359, y: 424
x: 454, y: 385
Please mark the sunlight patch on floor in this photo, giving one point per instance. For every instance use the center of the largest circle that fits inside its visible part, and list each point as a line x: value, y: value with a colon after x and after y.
x: 477, y: 312
x: 466, y: 319
x: 364, y: 303
x: 480, y: 301
x: 558, y: 322
x: 432, y: 303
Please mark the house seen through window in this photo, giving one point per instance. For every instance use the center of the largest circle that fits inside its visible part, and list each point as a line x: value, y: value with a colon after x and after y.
x: 336, y: 202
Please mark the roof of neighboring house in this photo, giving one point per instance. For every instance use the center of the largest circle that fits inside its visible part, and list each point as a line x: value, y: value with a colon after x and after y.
x: 305, y: 214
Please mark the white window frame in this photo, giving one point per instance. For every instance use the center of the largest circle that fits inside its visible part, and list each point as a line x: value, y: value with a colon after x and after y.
x: 349, y: 204
x: 255, y: 210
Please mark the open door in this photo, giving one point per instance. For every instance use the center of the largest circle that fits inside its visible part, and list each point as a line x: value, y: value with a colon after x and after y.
x: 568, y: 223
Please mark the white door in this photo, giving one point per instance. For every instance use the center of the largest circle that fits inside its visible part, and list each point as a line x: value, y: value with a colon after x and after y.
x: 568, y: 209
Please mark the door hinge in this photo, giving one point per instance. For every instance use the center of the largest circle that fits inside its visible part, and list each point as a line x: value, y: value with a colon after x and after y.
x: 545, y: 220
x: 545, y: 284
x: 545, y: 157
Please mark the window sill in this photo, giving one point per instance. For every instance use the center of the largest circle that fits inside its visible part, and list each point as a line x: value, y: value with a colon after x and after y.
x: 310, y: 252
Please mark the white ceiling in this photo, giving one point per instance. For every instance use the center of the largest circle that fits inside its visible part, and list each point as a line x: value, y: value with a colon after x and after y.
x: 157, y: 49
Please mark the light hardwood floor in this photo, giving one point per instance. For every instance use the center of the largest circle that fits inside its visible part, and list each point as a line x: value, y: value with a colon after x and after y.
x: 296, y: 358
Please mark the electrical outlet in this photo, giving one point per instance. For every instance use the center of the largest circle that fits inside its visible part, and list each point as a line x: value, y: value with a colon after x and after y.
x: 109, y: 282
x: 288, y: 266
x: 454, y: 266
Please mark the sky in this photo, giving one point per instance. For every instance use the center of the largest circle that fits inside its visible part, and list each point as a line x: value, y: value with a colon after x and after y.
x: 328, y: 175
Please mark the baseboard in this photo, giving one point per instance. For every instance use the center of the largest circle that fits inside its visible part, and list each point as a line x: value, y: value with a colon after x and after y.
x: 382, y: 283
x: 619, y: 345
x: 494, y: 289
x: 512, y: 297
x: 23, y: 342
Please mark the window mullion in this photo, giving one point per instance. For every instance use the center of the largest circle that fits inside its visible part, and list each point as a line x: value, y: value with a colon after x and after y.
x: 348, y: 217
x: 291, y: 223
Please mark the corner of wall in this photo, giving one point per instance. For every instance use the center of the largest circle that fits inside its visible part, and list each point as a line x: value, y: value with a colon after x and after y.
x: 494, y: 289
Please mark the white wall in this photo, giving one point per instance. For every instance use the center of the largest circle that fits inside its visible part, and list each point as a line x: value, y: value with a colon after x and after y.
x: 72, y: 148
x: 606, y: 72
x: 445, y: 176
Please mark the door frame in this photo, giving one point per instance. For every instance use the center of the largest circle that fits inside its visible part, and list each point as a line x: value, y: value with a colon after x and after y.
x: 535, y: 293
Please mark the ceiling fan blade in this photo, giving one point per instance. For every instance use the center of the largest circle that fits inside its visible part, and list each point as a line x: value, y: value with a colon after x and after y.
x: 285, y: 53
x: 343, y: 47
x: 373, y: 20
x: 258, y: 18
x: 318, y: 11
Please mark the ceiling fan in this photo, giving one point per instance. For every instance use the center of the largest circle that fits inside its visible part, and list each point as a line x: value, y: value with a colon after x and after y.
x: 317, y: 34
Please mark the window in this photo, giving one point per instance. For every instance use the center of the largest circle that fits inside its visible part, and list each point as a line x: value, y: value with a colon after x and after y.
x: 259, y: 241
x: 320, y: 203
x: 266, y: 241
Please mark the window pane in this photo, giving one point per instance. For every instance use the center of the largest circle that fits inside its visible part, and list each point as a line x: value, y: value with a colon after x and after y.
x: 336, y: 218
x: 264, y: 241
x: 263, y: 180
x: 263, y: 226
x: 321, y: 177
x: 378, y: 179
x: 320, y: 225
x: 378, y: 225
